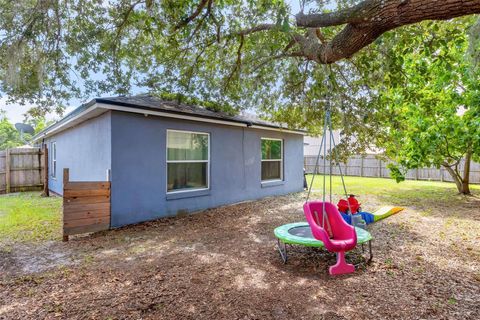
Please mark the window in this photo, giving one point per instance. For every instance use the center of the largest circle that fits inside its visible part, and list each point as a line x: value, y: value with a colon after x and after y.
x: 272, y: 159
x: 188, y: 160
x: 53, y: 159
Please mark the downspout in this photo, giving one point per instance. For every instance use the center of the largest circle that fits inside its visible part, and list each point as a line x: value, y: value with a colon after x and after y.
x: 247, y: 125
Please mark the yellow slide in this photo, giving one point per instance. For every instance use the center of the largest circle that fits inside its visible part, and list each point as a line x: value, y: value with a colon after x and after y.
x: 384, y: 212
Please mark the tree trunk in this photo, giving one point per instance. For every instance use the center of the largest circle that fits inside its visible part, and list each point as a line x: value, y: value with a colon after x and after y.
x: 455, y: 177
x: 465, y: 188
x: 466, y: 174
x: 462, y: 183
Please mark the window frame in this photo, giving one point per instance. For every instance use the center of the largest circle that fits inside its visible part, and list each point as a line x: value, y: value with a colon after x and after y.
x: 272, y: 160
x: 186, y: 161
x: 53, y: 159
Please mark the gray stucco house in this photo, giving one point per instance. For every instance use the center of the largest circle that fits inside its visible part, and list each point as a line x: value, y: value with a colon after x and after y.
x: 165, y: 158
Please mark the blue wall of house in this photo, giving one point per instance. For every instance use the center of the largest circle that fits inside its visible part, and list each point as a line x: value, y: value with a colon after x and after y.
x: 139, y: 167
x: 84, y: 149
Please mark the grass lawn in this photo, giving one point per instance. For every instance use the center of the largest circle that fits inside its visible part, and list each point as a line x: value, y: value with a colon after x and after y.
x: 223, y: 263
x: 408, y: 190
x: 26, y: 217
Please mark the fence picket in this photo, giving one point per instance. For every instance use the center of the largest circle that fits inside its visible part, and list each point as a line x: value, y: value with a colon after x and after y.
x: 370, y: 166
x: 86, y: 206
x: 21, y: 170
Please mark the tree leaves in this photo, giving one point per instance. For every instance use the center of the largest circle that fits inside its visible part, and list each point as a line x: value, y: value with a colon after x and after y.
x: 429, y: 113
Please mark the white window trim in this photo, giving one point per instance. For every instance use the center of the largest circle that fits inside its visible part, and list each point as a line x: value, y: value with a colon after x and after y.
x: 53, y: 159
x: 187, y: 161
x: 272, y: 160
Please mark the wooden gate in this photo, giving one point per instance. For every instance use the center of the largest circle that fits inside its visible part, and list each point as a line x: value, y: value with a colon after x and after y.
x: 86, y: 206
x: 23, y: 169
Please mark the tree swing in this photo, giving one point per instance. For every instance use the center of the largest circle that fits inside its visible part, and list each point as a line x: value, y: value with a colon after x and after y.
x: 325, y: 227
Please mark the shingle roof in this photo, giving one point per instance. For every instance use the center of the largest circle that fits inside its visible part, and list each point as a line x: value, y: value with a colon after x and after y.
x: 152, y: 103
x: 149, y: 102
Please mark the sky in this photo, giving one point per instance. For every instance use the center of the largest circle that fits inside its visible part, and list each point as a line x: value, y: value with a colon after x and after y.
x: 15, y: 112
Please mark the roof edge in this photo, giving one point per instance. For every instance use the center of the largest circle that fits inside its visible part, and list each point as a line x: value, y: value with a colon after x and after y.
x: 248, y: 123
x: 194, y: 117
x: 67, y: 117
x: 103, y: 103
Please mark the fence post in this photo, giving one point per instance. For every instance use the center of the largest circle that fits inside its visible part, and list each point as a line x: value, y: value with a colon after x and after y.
x: 7, y: 171
x: 441, y: 174
x: 361, y: 166
x: 46, y: 190
x: 66, y: 178
x: 416, y: 174
x: 379, y: 168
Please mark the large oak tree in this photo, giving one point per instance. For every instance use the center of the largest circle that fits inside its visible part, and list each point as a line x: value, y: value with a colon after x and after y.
x: 51, y: 50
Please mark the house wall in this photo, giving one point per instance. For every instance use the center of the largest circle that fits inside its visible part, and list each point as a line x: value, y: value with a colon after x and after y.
x: 84, y: 149
x: 139, y: 167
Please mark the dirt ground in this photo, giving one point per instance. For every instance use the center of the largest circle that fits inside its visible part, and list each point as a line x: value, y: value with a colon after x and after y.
x: 223, y: 264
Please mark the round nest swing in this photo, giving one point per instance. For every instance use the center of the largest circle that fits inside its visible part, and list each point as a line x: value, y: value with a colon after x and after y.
x: 300, y: 233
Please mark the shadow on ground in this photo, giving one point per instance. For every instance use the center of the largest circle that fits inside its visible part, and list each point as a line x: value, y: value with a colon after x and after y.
x: 223, y: 264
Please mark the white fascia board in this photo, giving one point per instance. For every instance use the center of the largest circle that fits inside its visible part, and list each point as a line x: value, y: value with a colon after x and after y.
x: 168, y: 114
x: 99, y: 108
x: 256, y: 126
x: 192, y: 118
x: 82, y: 116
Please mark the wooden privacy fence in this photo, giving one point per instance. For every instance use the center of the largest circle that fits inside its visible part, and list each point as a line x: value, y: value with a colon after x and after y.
x: 370, y: 166
x: 23, y: 169
x: 86, y: 206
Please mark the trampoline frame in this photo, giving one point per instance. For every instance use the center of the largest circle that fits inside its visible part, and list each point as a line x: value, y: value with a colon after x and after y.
x: 282, y: 247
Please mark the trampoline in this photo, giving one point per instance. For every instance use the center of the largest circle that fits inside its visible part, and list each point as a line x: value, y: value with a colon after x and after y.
x: 299, y: 233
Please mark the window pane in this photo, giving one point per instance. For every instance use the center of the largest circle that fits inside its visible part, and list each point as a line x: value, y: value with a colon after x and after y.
x: 187, y: 146
x: 271, y: 149
x: 53, y: 157
x: 271, y: 170
x: 187, y: 176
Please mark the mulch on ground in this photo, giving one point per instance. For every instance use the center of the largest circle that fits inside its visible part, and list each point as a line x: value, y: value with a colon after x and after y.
x: 223, y: 264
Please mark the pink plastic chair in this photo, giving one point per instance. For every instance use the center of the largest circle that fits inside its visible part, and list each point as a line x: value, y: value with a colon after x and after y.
x: 337, y: 235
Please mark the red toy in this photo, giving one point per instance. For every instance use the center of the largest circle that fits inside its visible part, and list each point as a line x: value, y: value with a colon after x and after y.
x: 343, y: 205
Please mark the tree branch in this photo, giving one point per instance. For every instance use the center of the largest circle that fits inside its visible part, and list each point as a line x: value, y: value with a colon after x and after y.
x: 353, y: 14
x: 369, y: 19
x: 364, y: 23
x: 393, y: 12
x: 260, y: 27
x: 276, y: 57
x: 197, y: 11
x: 238, y: 62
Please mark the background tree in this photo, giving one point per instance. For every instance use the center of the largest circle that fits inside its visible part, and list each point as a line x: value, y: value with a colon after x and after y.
x: 431, y: 111
x: 9, y: 136
x: 38, y: 123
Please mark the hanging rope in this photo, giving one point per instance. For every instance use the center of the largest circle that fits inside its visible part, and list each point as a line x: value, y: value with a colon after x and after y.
x: 331, y: 158
x: 341, y: 173
x: 318, y: 158
x: 327, y: 116
x: 331, y: 152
